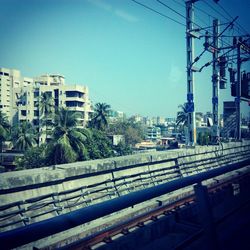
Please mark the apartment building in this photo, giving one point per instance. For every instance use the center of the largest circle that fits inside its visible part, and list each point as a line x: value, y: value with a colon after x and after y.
x: 153, y: 133
x: 19, y: 97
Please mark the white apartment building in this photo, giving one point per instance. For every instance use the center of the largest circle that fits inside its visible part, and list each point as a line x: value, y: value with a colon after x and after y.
x: 19, y: 97
x: 153, y: 133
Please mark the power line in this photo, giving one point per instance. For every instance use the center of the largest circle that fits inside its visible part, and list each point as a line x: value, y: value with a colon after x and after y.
x: 242, y: 28
x: 182, y: 5
x: 178, y: 13
x: 220, y: 13
x: 159, y: 13
x: 214, y: 9
x: 167, y: 6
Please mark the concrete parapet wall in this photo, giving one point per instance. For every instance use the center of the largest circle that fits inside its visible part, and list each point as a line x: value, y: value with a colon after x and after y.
x: 33, y: 195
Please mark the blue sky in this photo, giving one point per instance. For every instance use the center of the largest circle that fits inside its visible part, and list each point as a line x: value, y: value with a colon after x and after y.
x: 128, y: 56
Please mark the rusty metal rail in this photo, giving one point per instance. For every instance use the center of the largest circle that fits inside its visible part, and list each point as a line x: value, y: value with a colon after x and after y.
x: 107, y: 234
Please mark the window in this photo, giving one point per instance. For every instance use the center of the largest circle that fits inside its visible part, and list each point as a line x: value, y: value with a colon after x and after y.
x: 23, y: 112
x: 36, y: 122
x: 74, y: 104
x: 74, y: 94
x: 36, y: 113
x: 6, y: 74
x: 56, y: 93
x: 36, y: 93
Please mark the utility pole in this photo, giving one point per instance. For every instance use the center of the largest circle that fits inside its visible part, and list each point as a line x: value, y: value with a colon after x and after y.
x: 215, y: 80
x: 191, y: 137
x: 238, y: 93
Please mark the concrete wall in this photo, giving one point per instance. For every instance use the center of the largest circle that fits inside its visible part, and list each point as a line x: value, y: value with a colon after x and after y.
x: 33, y: 195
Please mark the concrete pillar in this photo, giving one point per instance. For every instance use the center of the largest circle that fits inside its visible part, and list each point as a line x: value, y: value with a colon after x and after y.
x: 206, y: 217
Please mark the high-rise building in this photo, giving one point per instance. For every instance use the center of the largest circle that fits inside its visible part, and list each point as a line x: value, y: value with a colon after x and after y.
x: 20, y: 96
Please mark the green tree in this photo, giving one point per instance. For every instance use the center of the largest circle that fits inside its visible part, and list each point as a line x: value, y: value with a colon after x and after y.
x: 4, y: 129
x: 32, y: 158
x: 98, y: 145
x: 67, y: 144
x: 46, y: 109
x: 133, y: 132
x: 182, y: 116
x: 100, y: 118
x: 23, y: 136
x: 123, y: 149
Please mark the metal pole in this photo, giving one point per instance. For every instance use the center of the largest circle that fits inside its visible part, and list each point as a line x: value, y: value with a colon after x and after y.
x: 238, y: 93
x: 191, y: 140
x: 215, y: 80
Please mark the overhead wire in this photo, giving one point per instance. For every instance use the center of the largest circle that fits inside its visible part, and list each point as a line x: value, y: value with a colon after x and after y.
x: 215, y: 10
x: 181, y: 15
x: 221, y: 14
x: 201, y: 28
x: 227, y: 13
x: 157, y: 12
x: 197, y: 17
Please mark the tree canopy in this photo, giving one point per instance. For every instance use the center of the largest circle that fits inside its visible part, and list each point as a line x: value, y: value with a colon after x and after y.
x: 100, y: 117
x: 23, y: 136
x: 67, y: 144
x: 4, y: 129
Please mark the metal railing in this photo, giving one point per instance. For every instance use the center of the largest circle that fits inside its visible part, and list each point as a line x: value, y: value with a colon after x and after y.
x: 36, y: 231
x: 28, y: 211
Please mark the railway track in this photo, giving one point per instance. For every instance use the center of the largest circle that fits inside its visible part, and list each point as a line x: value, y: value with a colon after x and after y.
x: 107, y: 235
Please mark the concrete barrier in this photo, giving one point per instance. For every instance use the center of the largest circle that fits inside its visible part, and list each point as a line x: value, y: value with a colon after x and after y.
x: 33, y: 195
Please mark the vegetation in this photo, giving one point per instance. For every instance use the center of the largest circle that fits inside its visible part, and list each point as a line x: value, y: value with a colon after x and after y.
x: 133, y: 132
x: 33, y: 158
x: 98, y: 145
x: 182, y: 116
x: 4, y: 129
x: 100, y: 118
x: 23, y: 136
x: 67, y: 142
x: 46, y: 109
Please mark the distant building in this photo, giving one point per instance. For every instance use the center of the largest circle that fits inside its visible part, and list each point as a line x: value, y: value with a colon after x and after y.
x: 153, y: 133
x: 115, y: 116
x: 160, y: 120
x: 170, y: 120
x: 116, y: 139
x: 19, y: 97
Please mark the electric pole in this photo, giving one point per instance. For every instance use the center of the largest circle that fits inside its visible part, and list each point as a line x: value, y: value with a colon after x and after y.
x: 238, y: 93
x: 191, y: 136
x: 215, y: 80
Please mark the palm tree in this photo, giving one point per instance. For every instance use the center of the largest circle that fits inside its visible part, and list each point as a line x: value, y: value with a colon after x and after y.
x: 23, y: 136
x: 182, y: 116
x: 4, y: 129
x: 46, y: 109
x: 100, y: 119
x: 67, y: 143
